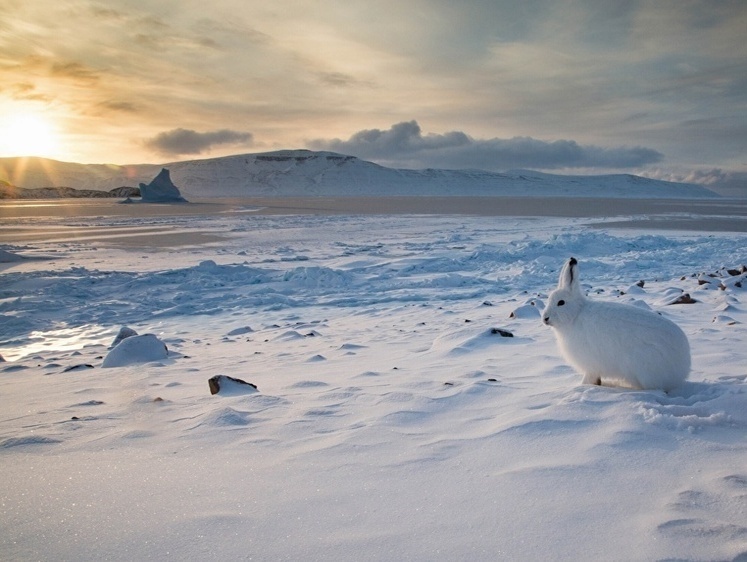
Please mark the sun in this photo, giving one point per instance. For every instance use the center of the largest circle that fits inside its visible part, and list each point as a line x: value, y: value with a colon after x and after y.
x: 27, y: 134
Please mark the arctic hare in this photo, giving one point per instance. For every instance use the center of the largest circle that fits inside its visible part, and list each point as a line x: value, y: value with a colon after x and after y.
x: 614, y: 343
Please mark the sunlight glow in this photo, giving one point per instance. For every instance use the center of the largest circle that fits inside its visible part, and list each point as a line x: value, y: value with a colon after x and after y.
x: 28, y: 134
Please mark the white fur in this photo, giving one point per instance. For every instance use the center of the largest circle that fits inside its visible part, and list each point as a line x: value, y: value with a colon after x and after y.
x: 614, y: 343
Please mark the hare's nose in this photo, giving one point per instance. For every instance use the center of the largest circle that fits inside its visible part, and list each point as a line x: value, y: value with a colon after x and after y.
x: 546, y: 320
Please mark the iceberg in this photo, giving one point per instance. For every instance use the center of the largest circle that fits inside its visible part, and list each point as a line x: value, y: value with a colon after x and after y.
x: 161, y: 190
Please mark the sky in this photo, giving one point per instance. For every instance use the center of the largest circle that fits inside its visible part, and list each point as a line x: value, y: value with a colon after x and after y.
x: 656, y: 88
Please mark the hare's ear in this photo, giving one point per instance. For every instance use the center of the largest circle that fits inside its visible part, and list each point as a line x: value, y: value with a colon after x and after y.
x: 569, y: 276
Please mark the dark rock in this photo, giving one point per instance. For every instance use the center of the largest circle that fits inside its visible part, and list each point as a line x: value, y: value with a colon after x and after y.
x: 501, y: 332
x: 224, y: 382
x: 8, y: 191
x: 684, y: 298
x: 77, y: 367
x: 125, y: 191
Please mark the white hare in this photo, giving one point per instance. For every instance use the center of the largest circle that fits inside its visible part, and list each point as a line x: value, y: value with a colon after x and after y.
x: 614, y: 343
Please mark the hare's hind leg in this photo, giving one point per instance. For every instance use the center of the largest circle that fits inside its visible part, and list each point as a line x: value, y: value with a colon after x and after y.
x: 590, y: 378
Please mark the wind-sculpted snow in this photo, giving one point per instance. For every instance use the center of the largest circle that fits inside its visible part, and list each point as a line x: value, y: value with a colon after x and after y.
x: 394, y: 271
x: 402, y: 374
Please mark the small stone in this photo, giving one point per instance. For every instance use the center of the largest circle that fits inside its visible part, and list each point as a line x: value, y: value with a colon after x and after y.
x: 501, y: 332
x: 684, y: 298
x: 77, y: 367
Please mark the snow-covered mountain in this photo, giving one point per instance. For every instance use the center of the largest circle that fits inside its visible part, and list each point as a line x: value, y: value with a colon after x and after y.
x: 299, y: 173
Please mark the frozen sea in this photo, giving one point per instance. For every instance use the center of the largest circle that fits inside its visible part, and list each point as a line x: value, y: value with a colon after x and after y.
x: 392, y: 420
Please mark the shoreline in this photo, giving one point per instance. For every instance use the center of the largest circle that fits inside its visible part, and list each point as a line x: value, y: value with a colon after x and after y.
x: 572, y: 207
x: 25, y: 221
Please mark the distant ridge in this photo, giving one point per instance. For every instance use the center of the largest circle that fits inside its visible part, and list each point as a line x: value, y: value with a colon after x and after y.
x: 305, y: 173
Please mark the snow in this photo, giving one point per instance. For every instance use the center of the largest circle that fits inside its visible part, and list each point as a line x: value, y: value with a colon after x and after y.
x: 393, y: 420
x: 305, y: 173
x: 136, y: 349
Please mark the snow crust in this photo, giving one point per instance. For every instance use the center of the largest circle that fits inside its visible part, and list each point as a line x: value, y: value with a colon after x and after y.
x: 393, y: 421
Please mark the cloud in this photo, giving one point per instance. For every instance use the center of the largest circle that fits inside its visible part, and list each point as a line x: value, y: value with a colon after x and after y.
x: 519, y: 83
x: 73, y: 70
x: 186, y: 141
x: 114, y: 105
x: 405, y: 145
x: 27, y: 91
x: 730, y: 183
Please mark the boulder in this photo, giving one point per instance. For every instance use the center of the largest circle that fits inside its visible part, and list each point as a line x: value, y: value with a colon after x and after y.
x: 136, y: 349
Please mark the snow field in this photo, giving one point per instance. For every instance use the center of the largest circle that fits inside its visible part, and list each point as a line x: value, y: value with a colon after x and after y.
x: 391, y: 421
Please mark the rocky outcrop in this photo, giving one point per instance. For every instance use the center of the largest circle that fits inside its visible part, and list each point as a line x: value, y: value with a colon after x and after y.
x: 125, y: 191
x: 10, y: 191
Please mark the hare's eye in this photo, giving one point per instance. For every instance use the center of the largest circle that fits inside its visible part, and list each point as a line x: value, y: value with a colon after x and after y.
x: 561, y: 302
